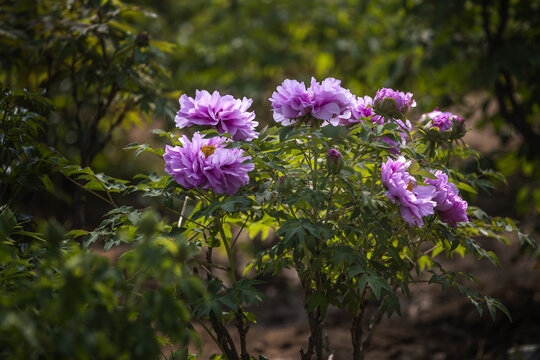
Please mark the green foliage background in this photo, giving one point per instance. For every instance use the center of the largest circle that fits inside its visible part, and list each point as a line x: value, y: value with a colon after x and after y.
x: 440, y: 51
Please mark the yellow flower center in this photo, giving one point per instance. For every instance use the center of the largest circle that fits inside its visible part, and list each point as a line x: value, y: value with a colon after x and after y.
x: 208, y: 150
x: 409, y: 187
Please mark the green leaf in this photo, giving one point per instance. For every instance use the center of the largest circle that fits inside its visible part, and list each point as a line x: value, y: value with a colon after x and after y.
x: 355, y: 270
x: 526, y: 239
x: 47, y: 183
x: 228, y: 300
x: 334, y: 131
x: 465, y: 187
x: 426, y: 174
x: 32, y: 235
x: 376, y: 283
x: 494, y: 304
x: 7, y: 223
x: 235, y: 203
x: 317, y: 299
x: 76, y: 233
x: 284, y: 132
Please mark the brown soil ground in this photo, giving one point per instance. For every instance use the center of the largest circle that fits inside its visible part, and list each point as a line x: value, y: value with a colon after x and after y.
x: 435, y: 324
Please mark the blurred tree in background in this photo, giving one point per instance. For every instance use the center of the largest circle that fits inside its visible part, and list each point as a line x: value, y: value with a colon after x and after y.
x: 98, y: 70
x: 444, y: 52
x: 104, y: 69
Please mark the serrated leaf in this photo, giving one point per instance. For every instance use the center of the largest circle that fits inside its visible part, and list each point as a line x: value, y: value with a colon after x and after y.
x: 494, y: 304
x: 317, y: 299
x: 284, y: 132
x: 376, y: 283
x: 228, y: 300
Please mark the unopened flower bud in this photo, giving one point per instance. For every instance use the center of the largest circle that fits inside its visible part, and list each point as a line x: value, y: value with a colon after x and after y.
x: 442, y: 125
x: 391, y: 103
x: 386, y: 106
x: 334, y: 161
x: 458, y: 128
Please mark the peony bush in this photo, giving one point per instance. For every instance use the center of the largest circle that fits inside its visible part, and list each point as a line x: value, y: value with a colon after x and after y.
x: 362, y: 201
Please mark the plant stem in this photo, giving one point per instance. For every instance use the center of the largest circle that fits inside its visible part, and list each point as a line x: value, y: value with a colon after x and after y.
x: 224, y: 340
x: 90, y: 191
x: 242, y: 331
x: 375, y: 171
x: 375, y: 319
x: 315, y: 319
x: 228, y: 250
x: 356, y: 336
x: 240, y: 324
x: 330, y: 193
x: 239, y: 232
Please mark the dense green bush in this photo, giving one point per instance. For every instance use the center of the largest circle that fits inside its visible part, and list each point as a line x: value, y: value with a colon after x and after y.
x: 59, y: 301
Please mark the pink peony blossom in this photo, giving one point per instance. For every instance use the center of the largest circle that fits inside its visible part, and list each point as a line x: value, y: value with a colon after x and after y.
x: 414, y: 201
x: 224, y: 113
x: 450, y: 206
x: 206, y: 163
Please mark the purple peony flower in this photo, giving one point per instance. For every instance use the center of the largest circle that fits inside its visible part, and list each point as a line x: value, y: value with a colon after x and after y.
x: 330, y: 101
x: 441, y: 120
x: 327, y: 101
x: 396, y: 104
x: 362, y: 108
x: 290, y: 101
x: 206, y: 163
x: 224, y: 113
x: 451, y: 207
x: 414, y: 201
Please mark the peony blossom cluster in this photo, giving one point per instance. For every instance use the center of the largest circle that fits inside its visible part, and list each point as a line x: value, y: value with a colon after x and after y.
x: 416, y: 201
x: 223, y: 113
x: 207, y: 163
x: 331, y: 103
x: 326, y: 101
